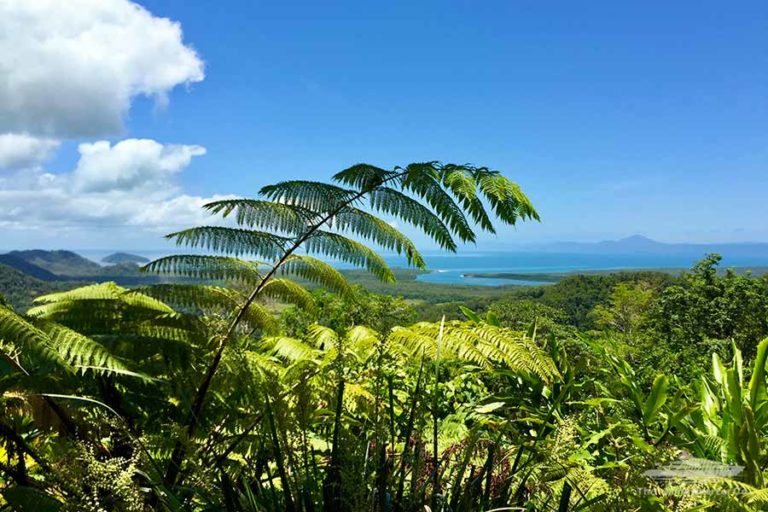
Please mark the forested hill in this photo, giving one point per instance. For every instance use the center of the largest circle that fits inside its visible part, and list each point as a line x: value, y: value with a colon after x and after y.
x: 19, y: 288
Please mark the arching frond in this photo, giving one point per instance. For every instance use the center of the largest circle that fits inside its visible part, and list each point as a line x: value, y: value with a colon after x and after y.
x: 22, y: 334
x: 311, y: 195
x: 459, y: 180
x: 82, y: 352
x: 261, y: 214
x: 288, y: 349
x: 506, y: 198
x: 342, y: 248
x: 365, y: 225
x: 288, y: 291
x: 99, y: 298
x: 364, y: 176
x: 204, y: 297
x: 322, y: 337
x: 394, y: 202
x: 425, y: 181
x: 216, y: 268
x: 319, y: 272
x: 232, y: 241
x: 480, y: 344
x: 256, y: 316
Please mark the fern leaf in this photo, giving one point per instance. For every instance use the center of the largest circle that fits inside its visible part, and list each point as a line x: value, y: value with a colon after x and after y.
x: 204, y: 297
x: 341, y: 248
x: 288, y: 291
x: 256, y: 316
x: 364, y: 176
x: 232, y: 241
x: 425, y: 181
x: 311, y: 195
x: 289, y: 349
x: 260, y: 214
x: 365, y: 225
x: 216, y: 268
x: 317, y: 271
x: 394, y: 202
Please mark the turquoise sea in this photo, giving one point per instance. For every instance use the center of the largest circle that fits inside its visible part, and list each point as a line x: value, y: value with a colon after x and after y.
x: 452, y: 269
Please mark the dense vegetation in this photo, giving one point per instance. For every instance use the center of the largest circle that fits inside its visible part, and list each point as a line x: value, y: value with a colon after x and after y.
x: 248, y: 390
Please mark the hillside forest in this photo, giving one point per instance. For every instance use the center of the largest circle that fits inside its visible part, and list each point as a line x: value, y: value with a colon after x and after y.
x: 252, y: 375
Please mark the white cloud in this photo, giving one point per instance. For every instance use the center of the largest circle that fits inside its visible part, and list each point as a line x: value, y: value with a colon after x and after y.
x: 130, y: 184
x: 130, y: 164
x: 70, y: 68
x: 24, y: 151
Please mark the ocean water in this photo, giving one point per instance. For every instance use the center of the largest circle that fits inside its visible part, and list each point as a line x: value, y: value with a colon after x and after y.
x: 452, y: 268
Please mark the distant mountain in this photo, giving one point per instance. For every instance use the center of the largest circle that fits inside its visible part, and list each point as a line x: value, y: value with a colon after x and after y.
x: 124, y: 257
x: 61, y: 263
x: 638, y: 244
x: 22, y: 265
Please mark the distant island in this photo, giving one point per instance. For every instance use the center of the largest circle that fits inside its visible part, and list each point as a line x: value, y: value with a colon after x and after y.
x: 124, y: 257
x: 638, y: 244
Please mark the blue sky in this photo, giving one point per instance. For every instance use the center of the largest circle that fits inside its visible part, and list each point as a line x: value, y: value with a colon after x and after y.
x: 615, y: 117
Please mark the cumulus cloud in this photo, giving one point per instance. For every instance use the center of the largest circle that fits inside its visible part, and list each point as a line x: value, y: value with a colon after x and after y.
x: 130, y: 164
x: 24, y: 151
x: 71, y: 68
x: 131, y: 183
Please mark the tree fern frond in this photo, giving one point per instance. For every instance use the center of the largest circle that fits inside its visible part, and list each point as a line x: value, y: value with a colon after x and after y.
x: 322, y: 336
x: 311, y: 195
x: 319, y: 272
x: 258, y: 317
x: 288, y: 291
x: 260, y: 214
x: 101, y: 291
x: 288, y: 349
x: 81, y: 351
x: 506, y: 198
x: 425, y: 181
x: 342, y: 248
x: 394, y: 202
x: 217, y: 268
x: 365, y: 225
x: 364, y: 176
x: 22, y: 334
x: 232, y: 241
x: 459, y: 180
x: 199, y: 296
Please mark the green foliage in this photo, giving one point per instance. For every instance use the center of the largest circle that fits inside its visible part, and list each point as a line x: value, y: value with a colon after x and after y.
x: 706, y: 305
x: 277, y: 385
